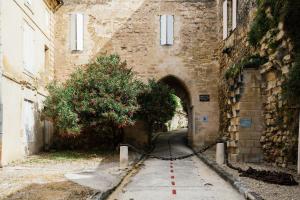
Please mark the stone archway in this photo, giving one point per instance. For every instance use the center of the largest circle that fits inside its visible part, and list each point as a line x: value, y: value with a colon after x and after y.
x: 183, y: 93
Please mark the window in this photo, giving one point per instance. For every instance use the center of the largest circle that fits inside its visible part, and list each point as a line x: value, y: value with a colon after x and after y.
x: 47, y: 19
x: 77, y: 32
x: 229, y: 17
x: 28, y: 48
x: 166, y: 29
x: 234, y: 14
x: 28, y: 122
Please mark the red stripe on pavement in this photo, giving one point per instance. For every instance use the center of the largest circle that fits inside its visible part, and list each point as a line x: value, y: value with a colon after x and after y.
x: 172, y: 177
x: 173, y: 182
x: 172, y: 170
x: 174, y: 192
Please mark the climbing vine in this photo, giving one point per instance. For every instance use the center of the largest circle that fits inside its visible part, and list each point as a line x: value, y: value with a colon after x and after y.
x: 269, y: 14
x: 253, y: 61
x: 292, y: 25
x: 274, y: 19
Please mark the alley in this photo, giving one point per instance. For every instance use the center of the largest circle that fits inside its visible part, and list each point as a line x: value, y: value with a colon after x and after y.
x: 188, y: 179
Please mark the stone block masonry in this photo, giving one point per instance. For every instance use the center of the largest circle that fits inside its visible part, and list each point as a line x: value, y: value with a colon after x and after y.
x: 278, y: 139
x: 131, y: 28
x: 255, y: 116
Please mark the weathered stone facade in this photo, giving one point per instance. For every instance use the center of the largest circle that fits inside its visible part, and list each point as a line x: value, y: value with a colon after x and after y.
x: 249, y: 107
x: 255, y: 95
x: 131, y: 28
x: 240, y: 98
x: 279, y: 139
x: 18, y: 86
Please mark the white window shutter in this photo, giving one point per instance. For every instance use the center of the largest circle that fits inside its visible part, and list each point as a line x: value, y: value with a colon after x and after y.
x: 47, y: 19
x: 234, y: 14
x: 25, y: 46
x: 32, y: 52
x: 73, y: 32
x: 225, y: 19
x: 79, y: 31
x: 28, y: 49
x: 170, y: 29
x: 163, y: 29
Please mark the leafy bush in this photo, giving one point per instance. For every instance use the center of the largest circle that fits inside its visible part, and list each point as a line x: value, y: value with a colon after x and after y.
x: 105, y: 97
x: 268, y: 15
x: 102, y: 95
x: 259, y: 27
x: 59, y: 107
x: 157, y: 104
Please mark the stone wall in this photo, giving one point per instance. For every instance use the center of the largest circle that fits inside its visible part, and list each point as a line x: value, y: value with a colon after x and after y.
x: 279, y: 139
x: 131, y: 28
x: 250, y: 117
x: 238, y: 96
x: 272, y: 131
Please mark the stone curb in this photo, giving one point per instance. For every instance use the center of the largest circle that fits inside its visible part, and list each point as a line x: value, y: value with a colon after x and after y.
x: 102, y: 195
x: 236, y: 184
x: 105, y: 194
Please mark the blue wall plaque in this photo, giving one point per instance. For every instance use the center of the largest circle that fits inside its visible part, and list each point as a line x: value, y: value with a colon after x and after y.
x: 245, y: 122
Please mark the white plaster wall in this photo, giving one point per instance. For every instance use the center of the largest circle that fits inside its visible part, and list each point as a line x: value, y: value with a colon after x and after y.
x: 18, y: 85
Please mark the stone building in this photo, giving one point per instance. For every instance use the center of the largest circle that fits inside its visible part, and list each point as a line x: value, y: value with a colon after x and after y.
x: 189, y: 45
x: 240, y: 99
x: 253, y: 113
x: 171, y: 41
x: 26, y: 66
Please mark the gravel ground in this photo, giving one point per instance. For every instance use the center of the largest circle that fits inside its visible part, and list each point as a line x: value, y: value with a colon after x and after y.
x: 266, y: 190
x: 42, y: 176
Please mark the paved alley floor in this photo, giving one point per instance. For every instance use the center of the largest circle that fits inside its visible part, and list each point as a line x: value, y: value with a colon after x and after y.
x: 188, y: 179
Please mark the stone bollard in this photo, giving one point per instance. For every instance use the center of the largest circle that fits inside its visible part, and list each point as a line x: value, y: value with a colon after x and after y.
x: 220, y: 155
x: 123, y: 157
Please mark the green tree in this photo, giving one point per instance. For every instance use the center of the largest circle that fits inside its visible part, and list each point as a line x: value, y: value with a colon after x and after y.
x: 157, y: 104
x: 104, y: 97
x: 101, y: 96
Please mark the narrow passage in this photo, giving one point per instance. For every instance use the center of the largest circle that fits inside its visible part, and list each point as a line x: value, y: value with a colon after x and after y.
x: 188, y: 179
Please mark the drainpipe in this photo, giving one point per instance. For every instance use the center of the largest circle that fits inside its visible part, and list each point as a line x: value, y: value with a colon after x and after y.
x: 1, y: 70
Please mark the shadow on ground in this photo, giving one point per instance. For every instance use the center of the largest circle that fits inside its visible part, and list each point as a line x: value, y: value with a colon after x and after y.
x: 57, y: 190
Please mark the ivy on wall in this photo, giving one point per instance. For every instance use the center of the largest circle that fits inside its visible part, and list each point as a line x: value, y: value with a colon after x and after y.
x: 273, y: 16
x: 269, y: 14
x: 253, y: 61
x: 292, y: 26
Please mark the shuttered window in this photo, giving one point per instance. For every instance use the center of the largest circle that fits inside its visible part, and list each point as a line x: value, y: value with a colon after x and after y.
x: 166, y: 29
x: 77, y: 32
x: 28, y: 121
x: 225, y: 20
x: 234, y: 14
x: 28, y: 48
x: 47, y: 19
x: 230, y: 8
